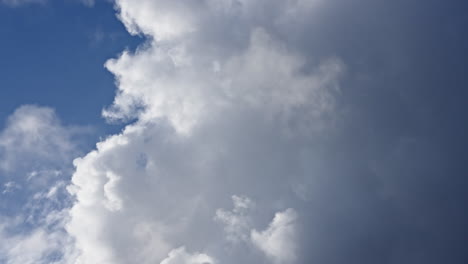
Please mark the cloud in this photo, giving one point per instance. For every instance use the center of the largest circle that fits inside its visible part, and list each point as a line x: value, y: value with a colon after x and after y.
x: 180, y: 256
x: 237, y: 222
x: 17, y: 3
x: 279, y: 240
x: 183, y: 78
x: 214, y: 115
x: 89, y: 3
x: 250, y: 80
x: 36, y: 152
x: 40, y: 245
x: 34, y: 135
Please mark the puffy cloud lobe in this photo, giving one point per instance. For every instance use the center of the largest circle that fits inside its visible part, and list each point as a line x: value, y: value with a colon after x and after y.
x: 200, y: 71
x: 279, y: 240
x: 264, y: 76
x: 157, y: 18
x: 100, y: 204
x: 184, y: 20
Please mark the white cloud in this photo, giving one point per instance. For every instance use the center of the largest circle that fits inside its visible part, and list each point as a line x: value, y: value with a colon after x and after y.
x: 159, y: 19
x: 36, y: 152
x: 278, y: 241
x: 237, y: 223
x: 42, y: 245
x: 35, y: 136
x: 172, y: 76
x: 28, y: 249
x: 264, y: 77
x: 9, y: 187
x: 19, y: 3
x: 195, y: 150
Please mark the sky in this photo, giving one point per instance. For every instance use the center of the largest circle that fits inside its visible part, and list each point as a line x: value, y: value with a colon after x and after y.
x: 233, y: 131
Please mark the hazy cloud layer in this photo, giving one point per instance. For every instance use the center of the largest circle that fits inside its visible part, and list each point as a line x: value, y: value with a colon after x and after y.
x: 35, y: 153
x: 34, y: 135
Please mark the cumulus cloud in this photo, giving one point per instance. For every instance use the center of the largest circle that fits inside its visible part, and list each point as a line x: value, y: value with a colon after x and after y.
x: 186, y: 79
x: 263, y: 77
x: 278, y: 241
x: 215, y: 115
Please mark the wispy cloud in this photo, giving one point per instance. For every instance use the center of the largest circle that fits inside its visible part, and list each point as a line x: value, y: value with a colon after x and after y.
x: 17, y: 3
x: 36, y: 151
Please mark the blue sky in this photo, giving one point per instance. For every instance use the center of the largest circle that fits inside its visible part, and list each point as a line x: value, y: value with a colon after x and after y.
x: 53, y: 54
x: 233, y: 131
